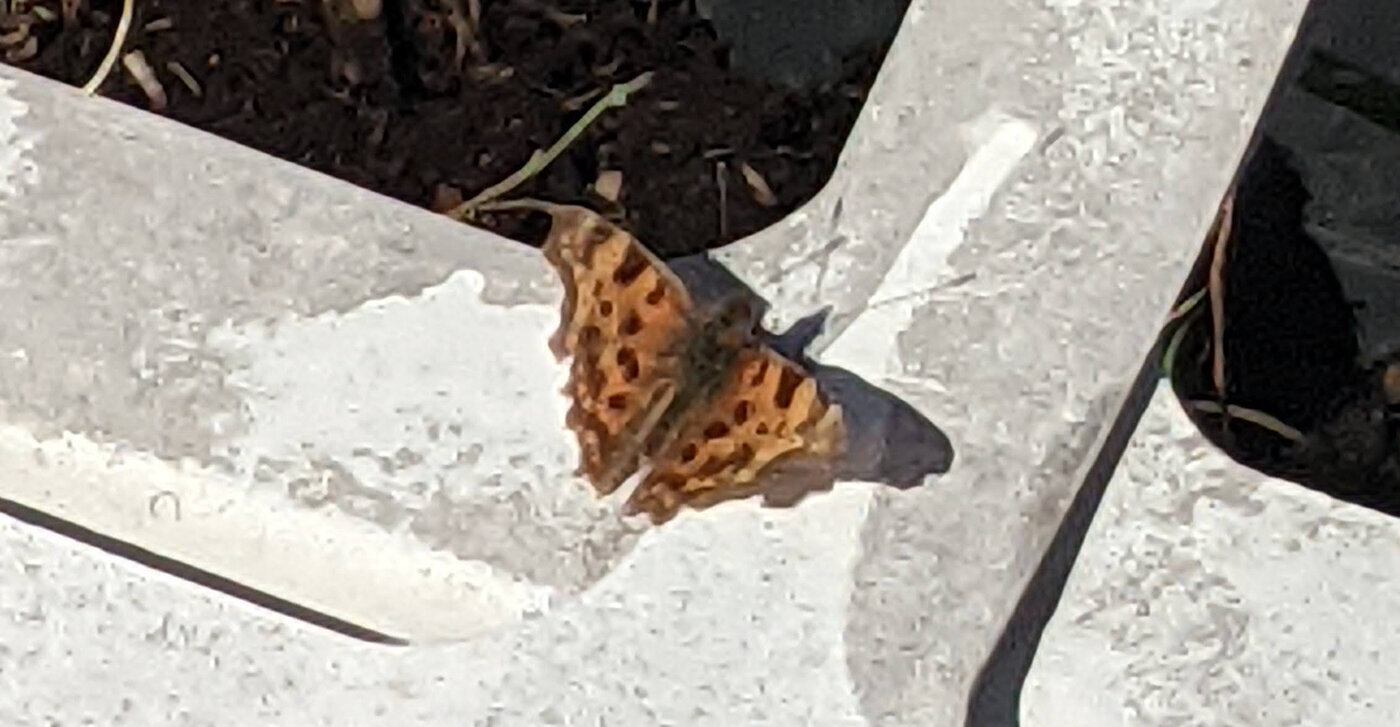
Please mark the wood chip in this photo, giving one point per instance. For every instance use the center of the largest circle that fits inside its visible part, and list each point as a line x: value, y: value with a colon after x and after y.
x: 24, y: 52
x: 367, y: 9
x: 660, y: 147
x: 577, y: 102
x: 607, y: 69
x: 381, y: 127
x: 490, y: 72
x: 562, y: 19
x: 15, y: 37
x: 185, y: 78
x: 762, y: 193
x: 446, y: 197
x: 722, y: 181
x: 160, y: 24
x: 609, y: 184
x: 141, y: 72
x: 1390, y: 383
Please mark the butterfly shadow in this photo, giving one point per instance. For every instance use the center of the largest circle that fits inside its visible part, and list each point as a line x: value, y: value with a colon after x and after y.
x: 888, y: 441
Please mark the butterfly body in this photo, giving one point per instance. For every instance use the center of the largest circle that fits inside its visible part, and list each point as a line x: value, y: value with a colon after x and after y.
x: 690, y: 392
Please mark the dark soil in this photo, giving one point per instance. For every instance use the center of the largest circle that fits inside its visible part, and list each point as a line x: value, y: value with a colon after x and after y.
x: 385, y: 103
x: 1291, y: 351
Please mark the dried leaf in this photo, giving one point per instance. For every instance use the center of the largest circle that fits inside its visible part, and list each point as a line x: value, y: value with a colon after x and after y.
x: 762, y: 193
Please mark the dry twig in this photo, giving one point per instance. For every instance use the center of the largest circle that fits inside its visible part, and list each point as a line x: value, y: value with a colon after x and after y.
x: 145, y: 76
x: 1216, y: 284
x: 464, y: 22
x: 118, y: 40
x: 574, y: 103
x: 762, y: 193
x: 69, y: 8
x: 1254, y: 416
x: 722, y: 181
x: 185, y: 77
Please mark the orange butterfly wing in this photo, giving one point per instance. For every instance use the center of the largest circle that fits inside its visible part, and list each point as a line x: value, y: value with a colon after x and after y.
x: 767, y: 429
x: 625, y: 320
x: 644, y: 385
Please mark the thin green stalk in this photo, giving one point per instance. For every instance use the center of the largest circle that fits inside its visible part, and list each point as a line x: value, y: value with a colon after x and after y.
x: 614, y: 98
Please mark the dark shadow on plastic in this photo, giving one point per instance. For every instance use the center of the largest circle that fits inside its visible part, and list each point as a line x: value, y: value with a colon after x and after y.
x: 887, y: 440
x: 122, y: 549
x: 996, y: 693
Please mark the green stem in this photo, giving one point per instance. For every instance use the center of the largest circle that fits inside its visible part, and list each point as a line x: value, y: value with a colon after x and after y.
x: 614, y: 98
x: 1179, y: 322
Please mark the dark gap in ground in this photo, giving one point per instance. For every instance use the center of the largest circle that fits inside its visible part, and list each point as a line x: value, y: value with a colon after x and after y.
x: 384, y: 103
x: 1309, y: 344
x: 1291, y: 352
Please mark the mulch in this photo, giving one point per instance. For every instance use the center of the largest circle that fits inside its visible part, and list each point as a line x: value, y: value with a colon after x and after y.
x: 421, y: 105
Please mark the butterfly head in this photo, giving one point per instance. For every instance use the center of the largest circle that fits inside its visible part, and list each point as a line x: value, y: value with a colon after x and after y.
x: 734, y: 321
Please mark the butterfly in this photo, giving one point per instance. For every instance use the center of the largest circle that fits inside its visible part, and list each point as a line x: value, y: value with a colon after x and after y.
x: 691, y: 392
